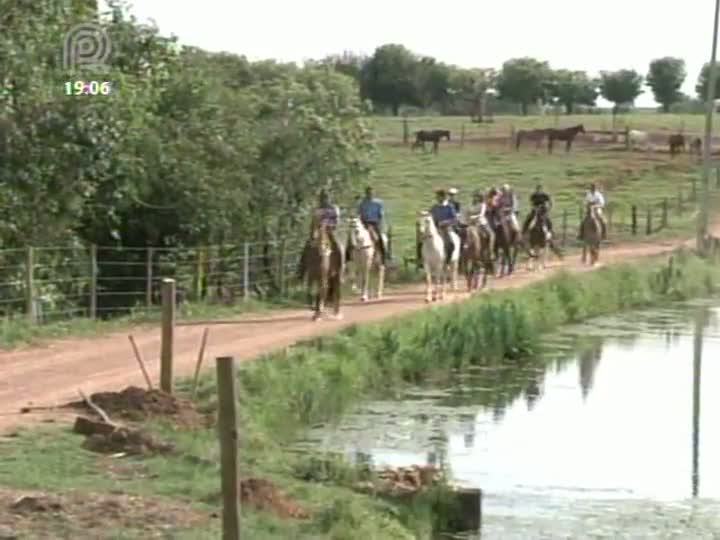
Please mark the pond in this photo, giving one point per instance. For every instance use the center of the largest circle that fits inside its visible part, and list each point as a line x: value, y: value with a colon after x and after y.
x: 609, y: 435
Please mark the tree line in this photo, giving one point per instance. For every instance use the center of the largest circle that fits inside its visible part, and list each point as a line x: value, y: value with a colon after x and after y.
x: 394, y: 76
x: 189, y: 147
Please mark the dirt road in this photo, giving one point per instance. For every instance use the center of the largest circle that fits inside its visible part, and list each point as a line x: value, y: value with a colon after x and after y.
x: 52, y: 373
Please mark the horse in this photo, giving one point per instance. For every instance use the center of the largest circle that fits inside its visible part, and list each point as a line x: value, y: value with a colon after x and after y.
x: 506, y: 240
x: 437, y: 271
x: 634, y: 137
x: 696, y: 146
x: 537, y: 135
x: 676, y: 141
x: 565, y: 134
x: 367, y: 257
x: 591, y: 234
x: 323, y: 270
x: 434, y: 136
x: 475, y: 256
x: 540, y: 239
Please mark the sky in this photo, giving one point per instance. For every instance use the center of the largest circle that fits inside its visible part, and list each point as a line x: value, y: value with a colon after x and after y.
x: 573, y: 34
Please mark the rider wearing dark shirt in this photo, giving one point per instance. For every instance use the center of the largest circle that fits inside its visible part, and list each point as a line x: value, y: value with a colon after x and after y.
x: 537, y: 199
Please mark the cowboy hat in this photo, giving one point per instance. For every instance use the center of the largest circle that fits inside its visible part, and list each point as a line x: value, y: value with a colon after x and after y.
x: 452, y: 191
x: 440, y: 191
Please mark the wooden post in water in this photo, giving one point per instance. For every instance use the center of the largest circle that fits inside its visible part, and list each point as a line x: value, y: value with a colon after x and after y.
x: 228, y: 433
x: 93, y: 281
x: 167, y: 335
x: 633, y: 217
x: 697, y: 368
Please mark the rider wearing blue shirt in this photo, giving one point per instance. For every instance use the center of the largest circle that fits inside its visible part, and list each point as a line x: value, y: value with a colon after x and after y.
x: 371, y: 213
x: 445, y: 218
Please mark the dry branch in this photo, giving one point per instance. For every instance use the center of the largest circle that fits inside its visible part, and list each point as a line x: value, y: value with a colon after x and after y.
x: 95, y: 408
x: 201, y: 355
x: 140, y: 362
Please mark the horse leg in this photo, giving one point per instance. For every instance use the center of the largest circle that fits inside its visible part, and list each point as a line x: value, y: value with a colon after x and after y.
x: 583, y: 259
x: 365, y: 283
x: 568, y: 145
x: 429, y: 292
x: 336, y: 296
x: 381, y: 280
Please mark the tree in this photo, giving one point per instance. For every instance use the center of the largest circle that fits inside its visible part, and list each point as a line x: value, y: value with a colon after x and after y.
x: 523, y: 80
x: 620, y: 87
x: 388, y: 78
x: 572, y: 88
x: 432, y: 80
x: 471, y: 85
x: 702, y: 84
x: 348, y: 63
x: 665, y: 77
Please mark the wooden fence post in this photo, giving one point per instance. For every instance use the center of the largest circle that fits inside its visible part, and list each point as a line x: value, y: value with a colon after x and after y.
x: 406, y: 131
x: 648, y: 221
x: 462, y: 136
x: 149, y: 277
x: 93, y: 281
x: 246, y: 271
x: 167, y: 335
x: 664, y: 213
x: 634, y: 221
x: 564, y: 226
x: 30, y: 284
x: 228, y: 433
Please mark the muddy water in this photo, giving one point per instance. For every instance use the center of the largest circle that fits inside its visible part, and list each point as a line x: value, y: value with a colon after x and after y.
x: 607, y: 436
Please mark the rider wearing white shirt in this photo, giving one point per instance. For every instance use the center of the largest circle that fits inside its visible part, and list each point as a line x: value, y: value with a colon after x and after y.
x: 478, y: 211
x: 596, y: 199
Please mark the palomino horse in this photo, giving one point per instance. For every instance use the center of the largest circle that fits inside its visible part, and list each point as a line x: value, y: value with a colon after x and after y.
x: 506, y: 241
x: 476, y: 257
x: 676, y: 142
x: 434, y: 136
x: 565, y: 134
x: 437, y: 271
x: 537, y: 135
x: 323, y: 269
x: 591, y: 234
x: 367, y: 257
x: 540, y: 240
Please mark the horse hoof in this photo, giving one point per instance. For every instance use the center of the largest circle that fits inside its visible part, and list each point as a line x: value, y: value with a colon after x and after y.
x: 363, y: 298
x: 337, y: 317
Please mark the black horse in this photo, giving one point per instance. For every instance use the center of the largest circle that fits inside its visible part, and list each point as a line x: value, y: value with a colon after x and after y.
x: 566, y: 134
x: 434, y: 136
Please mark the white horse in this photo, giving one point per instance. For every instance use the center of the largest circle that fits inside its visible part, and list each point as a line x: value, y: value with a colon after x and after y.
x: 638, y: 138
x: 437, y: 272
x: 366, y: 257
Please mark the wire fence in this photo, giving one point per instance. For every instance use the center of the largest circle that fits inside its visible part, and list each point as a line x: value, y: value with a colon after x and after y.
x: 44, y: 284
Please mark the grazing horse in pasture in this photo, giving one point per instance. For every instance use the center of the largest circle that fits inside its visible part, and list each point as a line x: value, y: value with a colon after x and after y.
x: 634, y: 137
x: 476, y: 257
x: 696, y: 146
x: 675, y: 142
x: 434, y: 136
x: 591, y: 234
x: 565, y: 134
x: 540, y: 240
x: 537, y: 135
x: 437, y: 271
x: 506, y: 241
x: 366, y: 256
x: 323, y: 269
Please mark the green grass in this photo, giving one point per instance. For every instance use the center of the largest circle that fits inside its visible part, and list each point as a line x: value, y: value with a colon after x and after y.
x: 282, y: 394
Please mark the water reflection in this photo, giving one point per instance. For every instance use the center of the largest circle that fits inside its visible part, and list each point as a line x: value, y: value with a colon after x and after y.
x: 607, y: 415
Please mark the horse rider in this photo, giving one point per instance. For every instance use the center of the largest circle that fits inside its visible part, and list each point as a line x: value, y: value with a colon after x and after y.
x: 329, y: 214
x: 478, y: 211
x: 445, y: 217
x: 508, y: 203
x: 538, y: 200
x: 597, y: 201
x: 371, y: 211
x: 452, y: 193
x: 492, y: 200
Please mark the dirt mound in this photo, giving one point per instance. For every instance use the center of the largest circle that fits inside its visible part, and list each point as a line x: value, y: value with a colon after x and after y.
x: 264, y: 495
x: 403, y: 480
x: 113, y: 439
x: 137, y: 404
x: 25, y: 514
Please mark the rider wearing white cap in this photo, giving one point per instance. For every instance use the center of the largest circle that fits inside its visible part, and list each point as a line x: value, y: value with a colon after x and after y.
x: 451, y: 198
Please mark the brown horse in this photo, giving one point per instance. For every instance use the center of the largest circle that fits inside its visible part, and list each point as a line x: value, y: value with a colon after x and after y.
x: 591, y: 234
x: 476, y: 257
x: 506, y: 241
x: 434, y: 136
x: 676, y: 142
x: 565, y: 134
x: 323, y: 268
x: 537, y: 135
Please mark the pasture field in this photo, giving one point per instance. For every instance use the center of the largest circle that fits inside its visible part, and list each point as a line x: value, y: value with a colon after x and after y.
x: 176, y: 494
